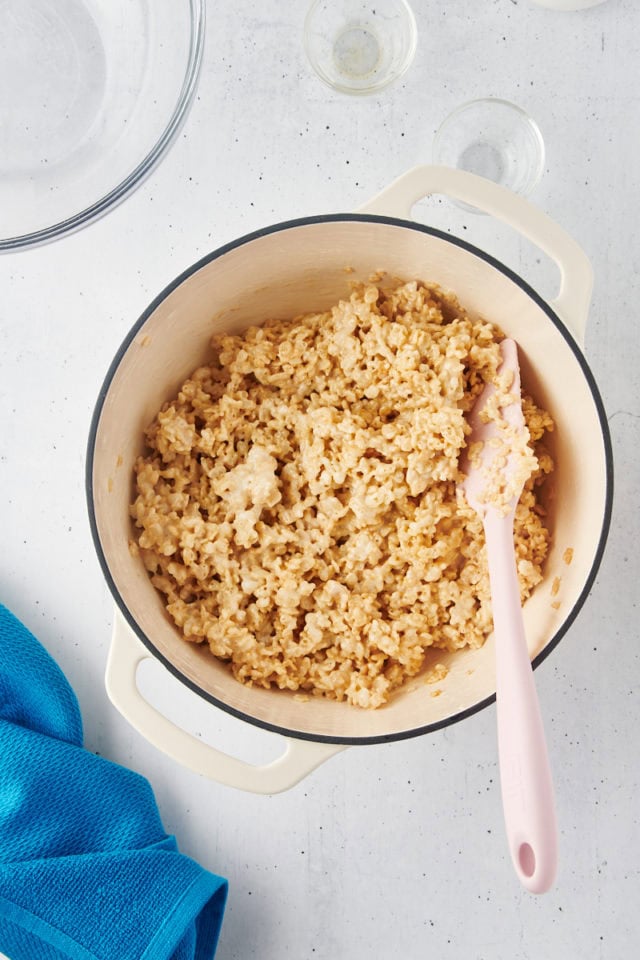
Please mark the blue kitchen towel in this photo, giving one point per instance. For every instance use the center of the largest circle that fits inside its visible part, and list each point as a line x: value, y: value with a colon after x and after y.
x: 86, y: 869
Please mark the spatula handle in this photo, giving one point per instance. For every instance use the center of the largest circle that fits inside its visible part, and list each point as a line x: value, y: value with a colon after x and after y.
x: 525, y: 774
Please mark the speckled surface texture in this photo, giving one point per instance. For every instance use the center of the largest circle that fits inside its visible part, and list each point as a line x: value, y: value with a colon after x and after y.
x: 395, y: 850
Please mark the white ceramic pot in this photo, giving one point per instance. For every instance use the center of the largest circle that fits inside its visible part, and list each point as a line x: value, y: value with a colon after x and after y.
x: 296, y: 267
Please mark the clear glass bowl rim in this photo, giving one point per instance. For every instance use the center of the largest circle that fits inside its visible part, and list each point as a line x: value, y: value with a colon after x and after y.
x: 122, y: 190
x: 526, y: 117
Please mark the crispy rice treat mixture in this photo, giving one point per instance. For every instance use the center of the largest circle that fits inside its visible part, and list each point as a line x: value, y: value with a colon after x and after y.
x: 504, y: 460
x: 298, y: 505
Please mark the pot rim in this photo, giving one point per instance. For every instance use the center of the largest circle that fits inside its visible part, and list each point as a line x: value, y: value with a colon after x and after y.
x: 277, y: 228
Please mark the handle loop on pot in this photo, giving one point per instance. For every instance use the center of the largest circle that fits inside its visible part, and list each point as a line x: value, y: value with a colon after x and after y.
x: 299, y: 758
x: 576, y: 273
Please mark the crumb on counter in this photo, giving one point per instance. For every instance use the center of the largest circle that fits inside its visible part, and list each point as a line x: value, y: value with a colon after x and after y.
x: 298, y: 503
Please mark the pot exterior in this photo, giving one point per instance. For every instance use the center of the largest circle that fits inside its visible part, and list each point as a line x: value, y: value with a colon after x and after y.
x: 306, y: 266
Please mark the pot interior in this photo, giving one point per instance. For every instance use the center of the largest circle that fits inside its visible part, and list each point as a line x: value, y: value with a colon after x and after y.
x: 307, y: 266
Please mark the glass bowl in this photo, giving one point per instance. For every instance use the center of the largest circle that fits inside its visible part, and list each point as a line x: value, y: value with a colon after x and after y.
x: 494, y: 139
x: 360, y: 47
x: 91, y: 96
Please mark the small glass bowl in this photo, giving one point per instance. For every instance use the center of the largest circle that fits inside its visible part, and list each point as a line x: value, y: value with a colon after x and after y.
x: 360, y: 47
x: 494, y: 139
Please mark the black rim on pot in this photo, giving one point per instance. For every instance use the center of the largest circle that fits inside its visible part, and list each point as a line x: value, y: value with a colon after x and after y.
x: 277, y: 228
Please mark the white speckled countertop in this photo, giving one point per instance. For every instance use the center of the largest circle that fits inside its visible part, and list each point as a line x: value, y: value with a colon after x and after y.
x: 395, y: 850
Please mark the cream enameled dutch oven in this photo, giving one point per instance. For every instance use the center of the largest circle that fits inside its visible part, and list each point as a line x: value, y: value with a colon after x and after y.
x: 298, y: 267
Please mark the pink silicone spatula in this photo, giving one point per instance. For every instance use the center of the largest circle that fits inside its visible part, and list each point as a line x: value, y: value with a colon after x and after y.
x: 525, y: 775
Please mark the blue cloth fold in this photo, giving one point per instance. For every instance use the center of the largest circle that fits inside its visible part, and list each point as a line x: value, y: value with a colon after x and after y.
x: 87, y: 871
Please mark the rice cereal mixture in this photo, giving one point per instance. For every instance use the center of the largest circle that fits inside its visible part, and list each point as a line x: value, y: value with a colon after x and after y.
x: 298, y: 506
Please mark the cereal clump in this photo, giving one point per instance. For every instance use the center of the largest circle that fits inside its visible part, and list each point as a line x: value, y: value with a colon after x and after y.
x: 299, y: 508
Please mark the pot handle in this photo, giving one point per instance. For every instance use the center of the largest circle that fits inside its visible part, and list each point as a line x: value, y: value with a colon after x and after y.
x: 576, y: 273
x: 299, y: 758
